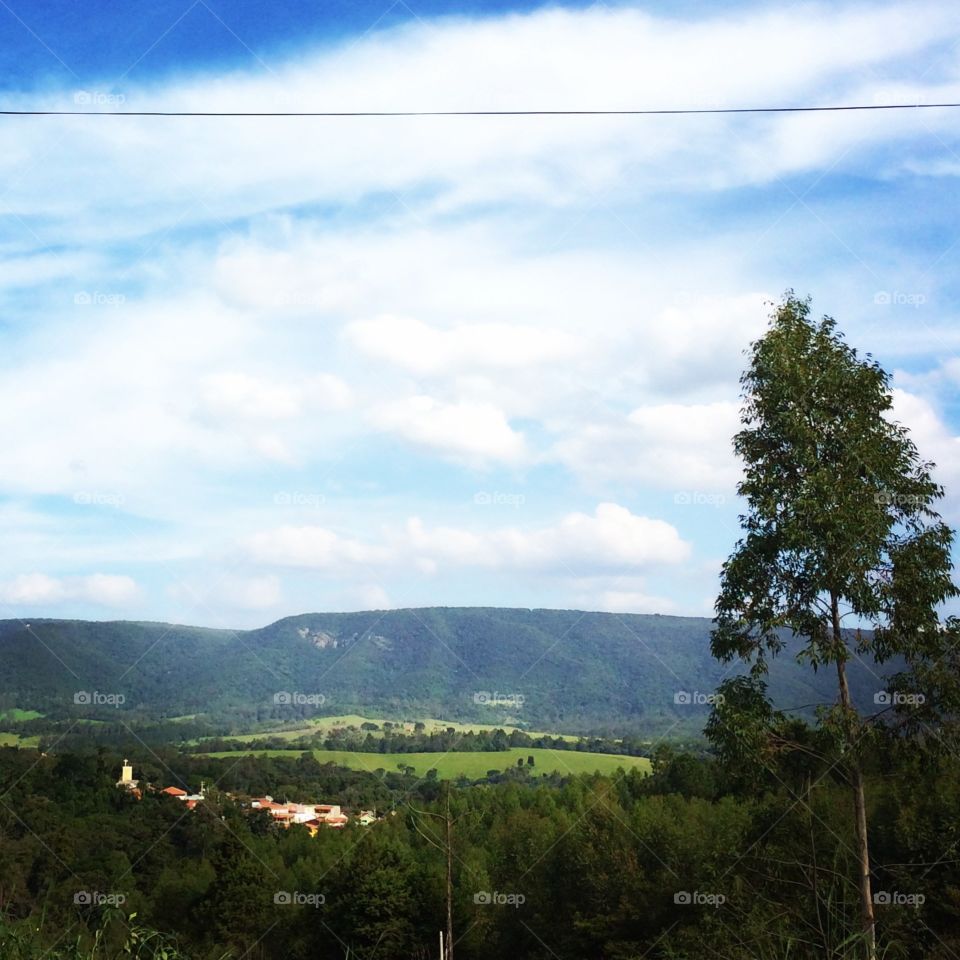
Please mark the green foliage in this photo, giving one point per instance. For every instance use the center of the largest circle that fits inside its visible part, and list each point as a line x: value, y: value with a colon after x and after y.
x: 117, y: 937
x: 598, y: 861
x: 840, y: 523
x: 840, y: 508
x: 591, y: 673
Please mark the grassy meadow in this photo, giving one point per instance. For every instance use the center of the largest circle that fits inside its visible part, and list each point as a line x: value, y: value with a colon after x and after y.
x: 325, y: 724
x: 473, y: 765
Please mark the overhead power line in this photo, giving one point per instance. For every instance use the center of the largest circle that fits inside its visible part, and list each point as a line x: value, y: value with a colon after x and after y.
x: 698, y: 111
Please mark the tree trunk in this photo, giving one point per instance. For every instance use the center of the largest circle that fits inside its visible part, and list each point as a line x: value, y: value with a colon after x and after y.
x: 859, y: 799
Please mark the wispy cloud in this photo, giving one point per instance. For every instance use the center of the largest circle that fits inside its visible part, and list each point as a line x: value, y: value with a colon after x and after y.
x: 241, y: 353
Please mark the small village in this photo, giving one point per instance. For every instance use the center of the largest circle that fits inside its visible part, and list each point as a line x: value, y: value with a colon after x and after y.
x: 313, y: 816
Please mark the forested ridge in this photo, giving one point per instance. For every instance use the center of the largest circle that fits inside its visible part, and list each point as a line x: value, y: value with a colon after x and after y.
x: 558, y: 670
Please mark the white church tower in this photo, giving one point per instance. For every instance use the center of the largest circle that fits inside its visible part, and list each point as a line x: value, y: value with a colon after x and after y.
x: 126, y: 777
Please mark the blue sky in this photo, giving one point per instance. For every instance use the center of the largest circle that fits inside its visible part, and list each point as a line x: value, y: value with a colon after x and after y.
x: 258, y: 367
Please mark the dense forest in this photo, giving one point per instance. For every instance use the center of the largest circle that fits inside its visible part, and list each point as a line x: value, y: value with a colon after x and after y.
x: 693, y: 860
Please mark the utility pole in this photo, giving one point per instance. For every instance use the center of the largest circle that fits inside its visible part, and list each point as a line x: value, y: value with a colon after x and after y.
x: 449, y: 823
x: 446, y: 948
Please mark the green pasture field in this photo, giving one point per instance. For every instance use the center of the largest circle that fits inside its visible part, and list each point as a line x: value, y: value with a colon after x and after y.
x: 325, y: 724
x: 472, y: 765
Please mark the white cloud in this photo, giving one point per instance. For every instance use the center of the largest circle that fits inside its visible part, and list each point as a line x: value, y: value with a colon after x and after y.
x: 311, y: 546
x: 256, y: 593
x: 30, y: 588
x: 696, y: 441
x: 44, y: 268
x: 699, y: 340
x: 107, y: 589
x: 239, y: 394
x: 610, y: 539
x: 945, y: 373
x: 244, y: 593
x: 272, y: 447
x: 668, y: 446
x: 618, y: 595
x: 474, y: 432
x: 111, y: 397
x: 37, y: 589
x: 559, y: 59
x: 935, y: 442
x: 545, y: 295
x: 424, y: 349
x: 326, y: 391
x: 629, y: 601
x: 366, y: 596
x: 137, y: 401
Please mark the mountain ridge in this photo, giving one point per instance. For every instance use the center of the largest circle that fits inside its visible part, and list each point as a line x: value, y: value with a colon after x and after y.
x: 563, y: 669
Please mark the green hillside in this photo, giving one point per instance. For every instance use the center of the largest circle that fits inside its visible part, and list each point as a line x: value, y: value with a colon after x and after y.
x: 559, y: 670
